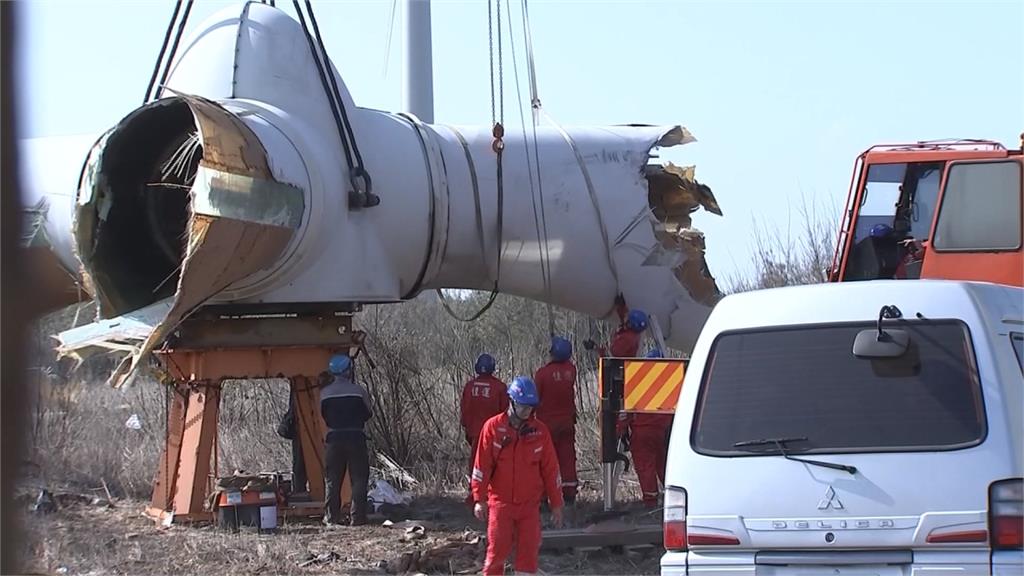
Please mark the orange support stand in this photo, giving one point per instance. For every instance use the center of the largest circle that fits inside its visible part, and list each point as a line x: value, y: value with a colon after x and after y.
x: 197, y: 367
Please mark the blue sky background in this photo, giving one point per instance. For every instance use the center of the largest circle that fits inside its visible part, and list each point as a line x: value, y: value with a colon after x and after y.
x: 781, y: 96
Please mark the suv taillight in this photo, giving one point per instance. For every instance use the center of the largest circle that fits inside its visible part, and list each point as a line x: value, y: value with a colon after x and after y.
x: 675, y: 519
x: 1006, y: 514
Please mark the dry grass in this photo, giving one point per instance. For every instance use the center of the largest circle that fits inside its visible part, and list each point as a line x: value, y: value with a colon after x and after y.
x: 800, y: 253
x: 97, y: 540
x: 78, y: 441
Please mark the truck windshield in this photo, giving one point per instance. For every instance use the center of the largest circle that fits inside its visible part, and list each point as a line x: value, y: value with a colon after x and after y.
x: 881, y: 194
x: 805, y: 382
x: 895, y: 215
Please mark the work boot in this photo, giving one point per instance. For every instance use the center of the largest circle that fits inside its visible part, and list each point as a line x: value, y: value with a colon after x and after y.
x: 330, y: 523
x: 358, y: 521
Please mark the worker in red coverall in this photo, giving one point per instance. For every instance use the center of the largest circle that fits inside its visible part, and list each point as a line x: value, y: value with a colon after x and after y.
x: 482, y: 397
x: 556, y: 385
x: 649, y: 453
x: 648, y: 441
x: 515, y: 467
x: 626, y: 342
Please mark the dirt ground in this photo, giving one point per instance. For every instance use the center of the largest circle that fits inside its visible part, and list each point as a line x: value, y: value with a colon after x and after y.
x: 93, y: 538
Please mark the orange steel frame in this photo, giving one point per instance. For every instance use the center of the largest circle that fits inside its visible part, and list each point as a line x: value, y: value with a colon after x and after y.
x: 182, y: 485
x: 1001, y: 267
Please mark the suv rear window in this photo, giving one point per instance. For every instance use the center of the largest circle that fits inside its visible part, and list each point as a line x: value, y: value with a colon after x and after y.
x: 805, y: 382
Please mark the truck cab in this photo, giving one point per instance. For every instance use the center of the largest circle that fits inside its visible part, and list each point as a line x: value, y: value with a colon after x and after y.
x: 945, y: 209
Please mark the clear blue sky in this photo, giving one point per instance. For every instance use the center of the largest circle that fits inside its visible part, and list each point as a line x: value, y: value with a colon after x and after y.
x: 781, y: 96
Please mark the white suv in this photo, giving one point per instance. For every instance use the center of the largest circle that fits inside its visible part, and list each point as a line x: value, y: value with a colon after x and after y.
x: 814, y: 438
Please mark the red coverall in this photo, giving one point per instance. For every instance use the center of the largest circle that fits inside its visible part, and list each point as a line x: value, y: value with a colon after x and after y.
x: 625, y: 343
x: 648, y: 441
x: 648, y: 432
x: 556, y: 386
x: 482, y: 397
x: 513, y: 470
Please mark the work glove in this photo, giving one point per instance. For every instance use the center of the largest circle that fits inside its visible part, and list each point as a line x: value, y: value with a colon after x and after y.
x: 480, y: 510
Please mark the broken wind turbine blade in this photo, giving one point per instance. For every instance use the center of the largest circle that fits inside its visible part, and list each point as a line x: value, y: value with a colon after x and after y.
x: 182, y: 168
x: 231, y: 191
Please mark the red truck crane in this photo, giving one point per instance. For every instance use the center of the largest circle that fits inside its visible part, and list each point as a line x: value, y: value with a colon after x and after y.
x: 948, y: 209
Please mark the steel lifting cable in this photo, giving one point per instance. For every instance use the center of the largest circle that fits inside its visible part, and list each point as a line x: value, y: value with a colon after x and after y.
x: 490, y: 48
x: 358, y: 176
x: 527, y: 34
x: 501, y: 67
x: 592, y: 192
x: 539, y: 219
x: 498, y: 147
x: 535, y: 104
x: 163, y: 50
x: 535, y: 108
x: 347, y: 123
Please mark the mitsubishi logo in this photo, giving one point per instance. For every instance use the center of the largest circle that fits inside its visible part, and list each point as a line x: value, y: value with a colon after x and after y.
x: 831, y: 500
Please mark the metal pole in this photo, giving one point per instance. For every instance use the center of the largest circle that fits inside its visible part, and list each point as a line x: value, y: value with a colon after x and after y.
x: 611, y: 375
x: 419, y: 68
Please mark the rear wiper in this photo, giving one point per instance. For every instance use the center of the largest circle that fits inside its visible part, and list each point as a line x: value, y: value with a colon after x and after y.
x: 780, y: 443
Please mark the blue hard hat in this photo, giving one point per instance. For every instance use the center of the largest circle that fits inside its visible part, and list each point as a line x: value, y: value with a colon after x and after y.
x: 523, y: 391
x: 561, y: 349
x: 339, y: 364
x: 636, y: 320
x: 655, y: 353
x: 881, y: 231
x: 484, y: 364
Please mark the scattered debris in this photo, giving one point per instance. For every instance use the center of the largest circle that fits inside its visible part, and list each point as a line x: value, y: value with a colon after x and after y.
x: 416, y: 532
x: 458, y: 555
x: 44, y: 503
x: 106, y: 490
x: 384, y: 493
x: 242, y: 480
x: 406, y: 524
x: 390, y: 468
x: 323, y: 558
x: 133, y: 422
x: 68, y: 499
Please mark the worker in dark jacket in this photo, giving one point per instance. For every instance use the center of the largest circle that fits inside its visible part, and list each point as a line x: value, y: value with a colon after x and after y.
x: 345, y: 407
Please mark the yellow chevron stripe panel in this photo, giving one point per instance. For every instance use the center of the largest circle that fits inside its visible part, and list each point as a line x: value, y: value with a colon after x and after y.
x: 653, y: 385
